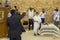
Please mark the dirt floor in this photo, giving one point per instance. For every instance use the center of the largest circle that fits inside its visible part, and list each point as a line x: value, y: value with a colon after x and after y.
x: 29, y: 35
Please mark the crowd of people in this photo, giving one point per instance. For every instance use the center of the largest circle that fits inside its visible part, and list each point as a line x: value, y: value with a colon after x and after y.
x: 16, y: 28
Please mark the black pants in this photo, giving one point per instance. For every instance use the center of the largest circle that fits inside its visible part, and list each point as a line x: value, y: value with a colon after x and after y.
x: 31, y: 23
x: 15, y: 38
x: 43, y: 20
x: 40, y: 26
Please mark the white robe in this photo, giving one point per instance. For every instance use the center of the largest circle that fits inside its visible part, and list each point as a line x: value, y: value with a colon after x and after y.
x: 36, y: 24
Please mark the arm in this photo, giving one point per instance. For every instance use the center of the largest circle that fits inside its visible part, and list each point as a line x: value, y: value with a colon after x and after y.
x: 21, y: 16
x: 40, y: 14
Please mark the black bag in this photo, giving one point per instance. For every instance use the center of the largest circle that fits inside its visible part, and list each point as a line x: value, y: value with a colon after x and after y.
x: 25, y: 23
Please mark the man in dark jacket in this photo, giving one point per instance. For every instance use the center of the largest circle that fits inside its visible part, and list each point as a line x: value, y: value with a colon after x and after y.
x: 14, y: 25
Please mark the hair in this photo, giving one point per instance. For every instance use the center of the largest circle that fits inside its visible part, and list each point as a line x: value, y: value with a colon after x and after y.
x: 43, y: 10
x: 37, y: 13
x: 31, y: 8
x: 56, y: 9
x: 24, y: 13
x: 0, y: 3
x: 12, y: 11
x: 15, y: 6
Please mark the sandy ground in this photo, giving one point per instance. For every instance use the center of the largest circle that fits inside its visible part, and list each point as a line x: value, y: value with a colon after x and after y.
x: 29, y: 35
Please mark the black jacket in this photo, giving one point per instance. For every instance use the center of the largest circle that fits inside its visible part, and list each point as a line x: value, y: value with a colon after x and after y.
x: 14, y: 25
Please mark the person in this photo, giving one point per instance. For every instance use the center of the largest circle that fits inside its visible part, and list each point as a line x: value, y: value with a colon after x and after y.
x: 15, y: 8
x: 43, y: 15
x: 37, y: 21
x: 55, y: 15
x: 30, y: 15
x: 9, y: 14
x: 15, y: 28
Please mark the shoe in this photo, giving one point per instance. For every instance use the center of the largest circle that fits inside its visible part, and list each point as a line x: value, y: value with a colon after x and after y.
x: 38, y: 34
x: 29, y: 29
x: 34, y: 34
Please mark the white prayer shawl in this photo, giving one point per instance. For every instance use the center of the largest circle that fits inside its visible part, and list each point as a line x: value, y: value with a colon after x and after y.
x: 36, y: 24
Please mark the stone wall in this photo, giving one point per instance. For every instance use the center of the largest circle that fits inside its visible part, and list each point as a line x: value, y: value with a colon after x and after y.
x: 49, y: 6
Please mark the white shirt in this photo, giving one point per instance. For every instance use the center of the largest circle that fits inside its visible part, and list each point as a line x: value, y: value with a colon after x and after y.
x: 9, y: 14
x: 30, y: 14
x: 37, y: 18
x: 56, y: 15
x: 42, y: 15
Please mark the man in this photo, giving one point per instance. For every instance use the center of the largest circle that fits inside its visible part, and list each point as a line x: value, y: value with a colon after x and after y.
x: 15, y: 8
x: 37, y: 21
x: 15, y: 28
x: 30, y: 15
x: 43, y: 15
x: 56, y: 14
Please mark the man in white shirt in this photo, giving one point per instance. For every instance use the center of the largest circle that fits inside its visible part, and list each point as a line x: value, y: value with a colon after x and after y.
x: 30, y: 15
x: 37, y: 21
x: 56, y: 14
x: 42, y: 15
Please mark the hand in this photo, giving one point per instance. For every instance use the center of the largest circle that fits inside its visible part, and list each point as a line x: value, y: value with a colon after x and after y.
x: 24, y: 14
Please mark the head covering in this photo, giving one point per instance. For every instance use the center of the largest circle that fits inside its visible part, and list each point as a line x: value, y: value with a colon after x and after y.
x: 12, y: 11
